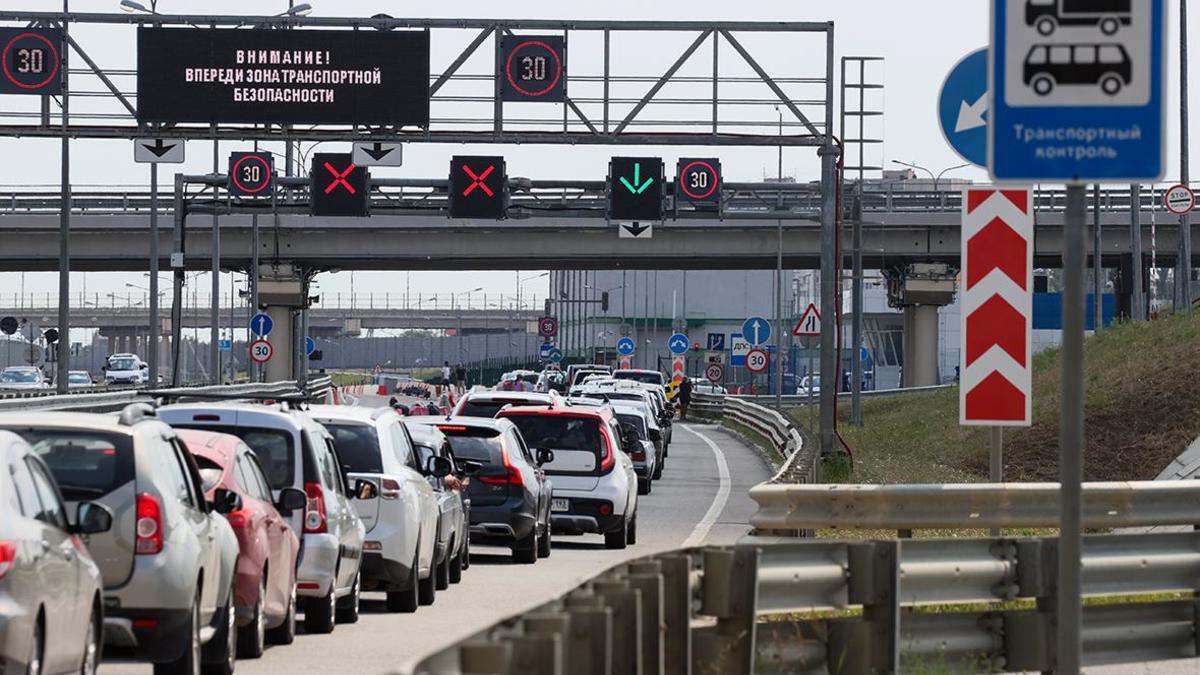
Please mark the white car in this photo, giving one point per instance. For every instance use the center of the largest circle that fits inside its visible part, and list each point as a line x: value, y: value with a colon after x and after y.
x: 647, y: 462
x: 399, y: 555
x: 594, y: 482
x: 125, y: 369
x: 487, y: 403
x: 22, y: 378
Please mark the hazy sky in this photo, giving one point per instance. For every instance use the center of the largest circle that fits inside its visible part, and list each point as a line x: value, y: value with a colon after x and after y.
x: 919, y: 40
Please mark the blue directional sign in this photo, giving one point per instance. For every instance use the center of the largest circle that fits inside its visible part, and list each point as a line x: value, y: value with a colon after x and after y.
x: 1077, y: 95
x: 963, y: 107
x: 716, y: 342
x: 310, y: 346
x: 678, y: 344
x: 224, y: 345
x: 756, y: 330
x: 626, y: 346
x: 545, y: 349
x: 555, y: 355
x: 261, y: 324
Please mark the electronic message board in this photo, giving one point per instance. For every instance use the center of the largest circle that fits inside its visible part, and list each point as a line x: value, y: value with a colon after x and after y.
x: 283, y: 76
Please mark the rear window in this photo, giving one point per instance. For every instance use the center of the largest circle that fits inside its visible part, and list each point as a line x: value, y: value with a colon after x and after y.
x: 480, y: 445
x: 357, y: 447
x: 636, y: 422
x: 86, y: 465
x: 275, y: 449
x: 647, y: 378
x: 481, y: 408
x: 559, y: 432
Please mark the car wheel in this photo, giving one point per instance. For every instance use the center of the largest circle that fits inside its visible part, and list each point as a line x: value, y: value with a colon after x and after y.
x: 319, y: 612
x: 466, y: 554
x: 347, y: 610
x: 524, y: 551
x: 189, y: 660
x: 91, y: 650
x: 252, y: 638
x: 406, y: 600
x: 1109, y: 25
x: 427, y: 588
x: 33, y: 666
x: 1042, y: 85
x: 1046, y: 26
x: 617, y: 538
x: 631, y: 533
x: 456, y: 564
x: 285, y: 633
x: 1111, y: 84
x: 442, y: 574
x: 543, y: 545
x: 219, y: 656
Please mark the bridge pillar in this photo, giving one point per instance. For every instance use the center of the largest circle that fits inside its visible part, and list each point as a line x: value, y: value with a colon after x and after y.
x: 919, y: 290
x: 283, y: 295
x: 283, y: 341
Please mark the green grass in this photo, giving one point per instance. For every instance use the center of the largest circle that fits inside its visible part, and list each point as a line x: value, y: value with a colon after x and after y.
x: 349, y: 379
x: 773, y: 455
x: 1142, y: 394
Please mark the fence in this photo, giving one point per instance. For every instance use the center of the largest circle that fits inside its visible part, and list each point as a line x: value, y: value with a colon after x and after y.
x: 99, y: 401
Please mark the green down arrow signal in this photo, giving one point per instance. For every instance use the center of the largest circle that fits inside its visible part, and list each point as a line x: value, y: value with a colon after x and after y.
x: 637, y: 177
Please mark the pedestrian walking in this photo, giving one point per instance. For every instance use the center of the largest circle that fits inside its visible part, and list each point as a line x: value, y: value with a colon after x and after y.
x: 685, y: 397
x: 460, y: 378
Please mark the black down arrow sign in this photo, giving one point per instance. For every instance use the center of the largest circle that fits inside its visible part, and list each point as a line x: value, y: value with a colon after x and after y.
x: 636, y: 229
x: 159, y: 149
x: 378, y: 152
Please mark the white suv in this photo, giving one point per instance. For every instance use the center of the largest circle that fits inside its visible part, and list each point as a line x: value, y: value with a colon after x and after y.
x: 402, y: 525
x: 296, y: 452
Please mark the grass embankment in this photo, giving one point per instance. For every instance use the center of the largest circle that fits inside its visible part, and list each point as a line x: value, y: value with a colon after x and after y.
x: 1142, y: 397
x: 349, y: 379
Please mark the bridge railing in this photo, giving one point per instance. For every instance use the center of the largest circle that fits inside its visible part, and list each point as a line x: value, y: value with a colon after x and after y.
x: 101, y: 401
x: 139, y: 302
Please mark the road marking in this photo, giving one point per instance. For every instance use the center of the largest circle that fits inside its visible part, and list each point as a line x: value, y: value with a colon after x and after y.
x: 700, y: 532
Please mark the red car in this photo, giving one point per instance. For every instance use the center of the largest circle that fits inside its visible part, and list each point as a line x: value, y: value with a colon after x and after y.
x: 265, y: 578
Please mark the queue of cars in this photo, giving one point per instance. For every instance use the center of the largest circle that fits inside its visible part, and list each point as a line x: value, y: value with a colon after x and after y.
x: 193, y: 535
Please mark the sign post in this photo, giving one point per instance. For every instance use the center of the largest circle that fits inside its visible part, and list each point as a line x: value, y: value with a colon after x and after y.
x: 1075, y: 103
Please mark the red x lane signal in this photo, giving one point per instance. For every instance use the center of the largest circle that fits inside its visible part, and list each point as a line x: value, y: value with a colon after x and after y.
x: 339, y: 178
x: 477, y: 180
x: 478, y: 187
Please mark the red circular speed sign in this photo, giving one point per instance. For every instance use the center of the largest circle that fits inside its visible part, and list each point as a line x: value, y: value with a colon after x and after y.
x: 531, y: 56
x: 1179, y: 199
x: 35, y: 61
x: 251, y: 174
x: 261, y: 351
x: 699, y: 180
x: 757, y: 360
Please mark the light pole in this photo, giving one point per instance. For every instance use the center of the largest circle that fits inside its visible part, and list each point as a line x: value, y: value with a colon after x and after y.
x: 936, y: 178
x: 521, y: 282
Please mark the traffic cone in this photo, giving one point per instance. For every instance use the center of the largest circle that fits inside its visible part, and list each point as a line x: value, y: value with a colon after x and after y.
x: 382, y: 390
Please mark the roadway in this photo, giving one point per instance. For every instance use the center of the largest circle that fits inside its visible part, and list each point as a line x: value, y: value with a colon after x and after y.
x: 702, y: 499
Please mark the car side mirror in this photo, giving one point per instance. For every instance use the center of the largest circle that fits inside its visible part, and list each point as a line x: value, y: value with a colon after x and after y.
x: 225, y: 501
x: 291, y: 499
x: 469, y: 467
x: 655, y: 435
x: 438, y: 467
x: 365, y: 490
x: 92, y: 518
x: 145, y: 366
x: 545, y: 456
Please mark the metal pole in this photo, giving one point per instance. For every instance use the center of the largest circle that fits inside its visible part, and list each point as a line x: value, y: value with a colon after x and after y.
x: 64, y: 235
x: 828, y: 153
x: 1097, y: 263
x: 779, y: 315
x: 856, y: 321
x: 152, y: 348
x: 1137, y: 305
x: 1071, y: 434
x: 252, y: 279
x: 214, y: 352
x: 1185, y: 220
x: 177, y: 290
x: 996, y: 475
x: 811, y: 410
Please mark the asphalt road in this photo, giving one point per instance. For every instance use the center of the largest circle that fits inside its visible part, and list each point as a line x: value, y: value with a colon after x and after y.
x: 702, y: 498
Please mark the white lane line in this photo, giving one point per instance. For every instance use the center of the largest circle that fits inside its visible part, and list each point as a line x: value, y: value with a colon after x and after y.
x: 700, y: 532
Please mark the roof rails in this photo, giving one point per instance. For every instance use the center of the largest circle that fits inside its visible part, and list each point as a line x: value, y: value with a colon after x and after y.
x: 294, y: 401
x: 136, y: 412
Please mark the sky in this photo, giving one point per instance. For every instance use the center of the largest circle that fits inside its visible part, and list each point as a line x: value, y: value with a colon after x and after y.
x: 920, y: 42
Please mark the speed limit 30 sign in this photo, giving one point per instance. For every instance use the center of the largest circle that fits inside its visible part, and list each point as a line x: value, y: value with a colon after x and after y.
x: 757, y: 360
x: 261, y: 351
x: 1179, y: 199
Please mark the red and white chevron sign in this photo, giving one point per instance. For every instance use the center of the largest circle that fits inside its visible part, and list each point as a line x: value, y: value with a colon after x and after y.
x: 996, y: 383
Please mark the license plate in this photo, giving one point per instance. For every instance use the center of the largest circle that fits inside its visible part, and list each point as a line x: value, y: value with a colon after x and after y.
x: 560, y: 505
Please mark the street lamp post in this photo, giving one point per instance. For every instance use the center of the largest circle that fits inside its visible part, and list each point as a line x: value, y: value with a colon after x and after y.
x: 936, y: 178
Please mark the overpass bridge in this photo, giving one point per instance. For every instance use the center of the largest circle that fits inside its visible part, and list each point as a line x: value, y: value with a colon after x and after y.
x: 551, y: 225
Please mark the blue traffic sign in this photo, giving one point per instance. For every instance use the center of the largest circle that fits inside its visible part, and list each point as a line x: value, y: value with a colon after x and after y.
x: 261, y: 324
x: 1077, y: 95
x: 716, y: 342
x: 545, y: 349
x: 224, y: 345
x: 626, y: 346
x: 963, y: 107
x: 555, y: 355
x: 310, y: 346
x: 756, y: 330
x: 678, y: 344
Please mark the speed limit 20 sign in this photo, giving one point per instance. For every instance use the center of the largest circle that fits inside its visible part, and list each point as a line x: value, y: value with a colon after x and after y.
x: 1179, y: 199
x: 533, y: 68
x: 261, y: 351
x: 698, y: 181
x: 251, y: 174
x: 757, y: 360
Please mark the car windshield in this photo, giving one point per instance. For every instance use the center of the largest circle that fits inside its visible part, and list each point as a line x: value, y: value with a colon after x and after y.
x: 19, y: 376
x: 559, y: 432
x: 274, y: 448
x: 126, y: 363
x: 647, y: 378
x: 79, y: 378
x: 87, y: 465
x: 357, y: 447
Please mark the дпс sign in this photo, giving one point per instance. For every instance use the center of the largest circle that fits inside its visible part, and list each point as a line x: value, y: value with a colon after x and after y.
x: 283, y: 76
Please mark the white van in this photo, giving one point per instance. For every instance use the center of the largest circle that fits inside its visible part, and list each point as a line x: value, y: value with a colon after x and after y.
x: 126, y: 369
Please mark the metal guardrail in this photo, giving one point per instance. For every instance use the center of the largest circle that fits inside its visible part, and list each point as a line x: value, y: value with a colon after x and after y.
x: 791, y: 400
x: 836, y: 607
x: 111, y: 401
x: 783, y: 506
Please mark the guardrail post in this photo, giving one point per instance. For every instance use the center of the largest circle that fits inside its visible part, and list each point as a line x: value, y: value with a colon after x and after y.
x: 556, y: 625
x: 589, y: 643
x: 647, y: 578
x: 729, y: 592
x: 872, y: 645
x: 536, y: 655
x: 677, y: 614
x: 485, y: 658
x: 626, y: 606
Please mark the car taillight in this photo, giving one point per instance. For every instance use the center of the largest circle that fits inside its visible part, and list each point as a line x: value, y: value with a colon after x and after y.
x: 8, y: 557
x: 512, y: 475
x: 605, y: 509
x: 389, y: 489
x: 314, y: 509
x: 149, y: 528
x: 639, y: 455
x: 236, y: 518
x: 609, y: 460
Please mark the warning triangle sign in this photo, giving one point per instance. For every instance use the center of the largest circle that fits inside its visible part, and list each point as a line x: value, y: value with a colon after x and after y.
x: 809, y: 324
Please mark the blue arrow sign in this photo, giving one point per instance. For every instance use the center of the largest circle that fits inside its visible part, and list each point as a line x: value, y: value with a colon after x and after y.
x: 1079, y: 100
x: 555, y: 355
x: 626, y: 346
x: 678, y: 344
x: 310, y: 346
x: 261, y: 325
x: 963, y: 107
x: 716, y: 342
x: 756, y: 330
